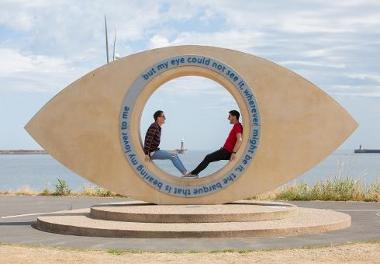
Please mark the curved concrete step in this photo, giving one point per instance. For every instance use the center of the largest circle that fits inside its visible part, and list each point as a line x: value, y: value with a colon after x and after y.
x: 240, y: 211
x: 307, y: 221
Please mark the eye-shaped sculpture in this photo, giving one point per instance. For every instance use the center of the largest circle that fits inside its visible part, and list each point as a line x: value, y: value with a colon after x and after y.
x: 92, y: 126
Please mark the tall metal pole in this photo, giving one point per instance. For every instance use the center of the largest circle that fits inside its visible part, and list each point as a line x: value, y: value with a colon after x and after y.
x: 114, y: 47
x: 105, y: 27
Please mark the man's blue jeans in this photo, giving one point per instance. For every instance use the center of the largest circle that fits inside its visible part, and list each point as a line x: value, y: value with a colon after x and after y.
x: 164, y: 155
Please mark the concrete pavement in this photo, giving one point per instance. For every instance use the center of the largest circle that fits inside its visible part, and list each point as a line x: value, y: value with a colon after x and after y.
x: 17, y: 213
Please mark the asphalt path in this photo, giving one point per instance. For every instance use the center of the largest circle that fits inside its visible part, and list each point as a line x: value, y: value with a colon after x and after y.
x: 17, y: 213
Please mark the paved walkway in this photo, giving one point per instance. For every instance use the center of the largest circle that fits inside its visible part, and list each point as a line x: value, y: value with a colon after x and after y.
x: 17, y: 213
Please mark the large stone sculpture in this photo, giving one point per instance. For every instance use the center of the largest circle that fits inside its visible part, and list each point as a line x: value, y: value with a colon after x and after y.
x: 92, y: 126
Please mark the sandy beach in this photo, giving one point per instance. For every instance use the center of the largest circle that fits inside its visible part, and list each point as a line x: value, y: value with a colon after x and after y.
x: 350, y: 253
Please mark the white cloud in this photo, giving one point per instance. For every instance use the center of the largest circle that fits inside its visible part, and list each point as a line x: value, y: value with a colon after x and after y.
x: 12, y: 61
x: 34, y: 72
x: 366, y: 76
x: 356, y: 90
x: 158, y: 41
x: 19, y: 14
x: 240, y: 40
x: 312, y: 64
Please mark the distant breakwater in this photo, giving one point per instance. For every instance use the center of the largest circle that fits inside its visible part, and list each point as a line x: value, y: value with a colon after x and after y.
x: 22, y: 151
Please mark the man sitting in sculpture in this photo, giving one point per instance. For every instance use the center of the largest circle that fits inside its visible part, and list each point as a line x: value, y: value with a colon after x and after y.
x: 152, y: 142
x: 229, y: 149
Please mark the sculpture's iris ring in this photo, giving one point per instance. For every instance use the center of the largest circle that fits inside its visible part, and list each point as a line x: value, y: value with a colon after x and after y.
x: 147, y: 83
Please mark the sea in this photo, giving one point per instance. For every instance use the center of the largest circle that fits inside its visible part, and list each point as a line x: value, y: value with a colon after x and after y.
x: 40, y: 171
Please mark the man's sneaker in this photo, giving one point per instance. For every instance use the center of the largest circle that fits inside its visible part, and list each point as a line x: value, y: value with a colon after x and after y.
x: 190, y: 176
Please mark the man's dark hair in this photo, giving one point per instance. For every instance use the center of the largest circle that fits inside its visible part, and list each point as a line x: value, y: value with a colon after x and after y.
x: 235, y: 113
x: 157, y: 114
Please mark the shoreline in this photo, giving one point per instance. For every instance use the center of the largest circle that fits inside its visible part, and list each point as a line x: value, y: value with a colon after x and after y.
x: 80, y: 194
x: 333, y: 189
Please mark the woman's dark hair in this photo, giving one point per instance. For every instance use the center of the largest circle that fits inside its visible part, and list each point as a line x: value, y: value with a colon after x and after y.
x: 157, y: 114
x: 235, y: 113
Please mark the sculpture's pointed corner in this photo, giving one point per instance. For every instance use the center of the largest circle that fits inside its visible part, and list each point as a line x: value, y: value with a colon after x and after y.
x: 32, y: 128
x: 350, y: 123
x: 355, y: 125
x: 28, y: 127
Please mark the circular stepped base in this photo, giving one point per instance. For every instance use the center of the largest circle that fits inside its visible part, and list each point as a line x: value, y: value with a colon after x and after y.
x: 240, y: 211
x: 122, y: 220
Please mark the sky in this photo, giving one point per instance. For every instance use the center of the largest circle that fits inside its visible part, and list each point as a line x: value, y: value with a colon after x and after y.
x: 46, y: 45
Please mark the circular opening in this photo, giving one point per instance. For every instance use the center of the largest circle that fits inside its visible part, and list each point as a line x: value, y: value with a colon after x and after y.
x: 196, y: 110
x: 138, y: 104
